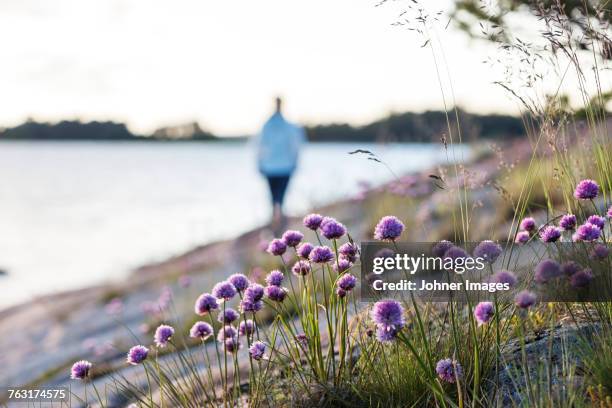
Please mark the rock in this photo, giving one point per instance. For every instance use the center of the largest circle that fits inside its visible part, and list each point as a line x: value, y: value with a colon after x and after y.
x: 553, y: 363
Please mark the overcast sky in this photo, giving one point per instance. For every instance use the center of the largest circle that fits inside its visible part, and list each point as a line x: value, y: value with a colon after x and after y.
x: 151, y: 63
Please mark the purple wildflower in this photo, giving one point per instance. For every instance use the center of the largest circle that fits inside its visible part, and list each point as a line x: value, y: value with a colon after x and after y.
x: 246, y: 327
x: 598, y: 221
x: 600, y: 251
x: 313, y: 221
x: 440, y: 248
x: 488, y: 250
x: 348, y: 251
x: 292, y: 238
x: 550, y: 233
x: 342, y: 265
x: 227, y: 332
x: 231, y: 345
x: 276, y: 247
x: 302, y: 340
x: 389, y: 228
x: 321, y: 254
x: 228, y: 316
x: 80, y: 370
x: 569, y: 268
x: 184, y: 281
x: 483, y: 312
x: 455, y: 252
x: 163, y: 334
x: 205, y: 304
x: 275, y: 278
x: 201, y: 330
x: 586, y: 190
x: 587, y: 232
x: 276, y: 293
x: 449, y: 370
x: 525, y: 299
x: 609, y: 213
x: 257, y: 350
x: 332, y: 229
x: 301, y: 268
x: 581, y: 278
x: 505, y: 277
x: 137, y: 355
x: 303, y: 250
x: 547, y: 270
x: 341, y: 292
x: 248, y: 305
x: 254, y: 292
x: 386, y: 335
x: 568, y: 222
x: 528, y: 224
x: 224, y: 290
x: 388, y: 314
x: 239, y: 281
x: 347, y: 282
x: 522, y: 237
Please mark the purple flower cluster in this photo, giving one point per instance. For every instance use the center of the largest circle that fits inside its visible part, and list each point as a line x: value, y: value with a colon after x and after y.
x: 505, y: 277
x: 332, y: 229
x: 257, y: 350
x: 163, y: 334
x: 488, y: 250
x: 224, y: 291
x: 600, y: 251
x: 228, y: 316
x: 301, y: 268
x: 587, y: 232
x: 80, y: 370
x: 246, y: 327
x: 251, y: 301
x: 201, y: 330
x: 528, y: 224
x: 581, y: 278
x: 550, y: 233
x: 277, y: 247
x: 568, y: 222
x: 276, y: 293
x: 522, y: 237
x: 275, y: 278
x: 389, y: 228
x: 345, y: 284
x: 313, y: 221
x: 137, y: 355
x: 483, y: 312
x: 239, y: 281
x: 586, y: 190
x: 342, y: 265
x: 303, y: 250
x: 227, y: 332
x: 449, y: 370
x: 440, y: 248
x: 598, y: 221
x: 547, y: 270
x: 321, y: 254
x: 388, y: 315
x: 525, y: 299
x: 205, y: 304
x: 348, y: 251
x: 292, y: 238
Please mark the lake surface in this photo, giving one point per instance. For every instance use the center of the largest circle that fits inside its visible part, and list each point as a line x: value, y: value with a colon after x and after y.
x: 78, y: 213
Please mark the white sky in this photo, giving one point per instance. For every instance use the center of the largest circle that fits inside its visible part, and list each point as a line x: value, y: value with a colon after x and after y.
x: 151, y: 63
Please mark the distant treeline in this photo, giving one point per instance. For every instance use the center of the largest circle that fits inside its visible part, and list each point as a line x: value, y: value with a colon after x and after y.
x: 430, y: 126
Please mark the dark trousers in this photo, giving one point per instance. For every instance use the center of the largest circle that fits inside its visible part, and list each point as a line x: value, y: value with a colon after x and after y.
x: 278, y: 186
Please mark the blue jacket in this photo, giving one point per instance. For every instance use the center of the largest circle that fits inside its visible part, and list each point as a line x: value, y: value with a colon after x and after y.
x: 278, y: 146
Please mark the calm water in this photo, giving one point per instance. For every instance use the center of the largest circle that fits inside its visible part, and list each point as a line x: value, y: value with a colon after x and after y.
x: 77, y: 213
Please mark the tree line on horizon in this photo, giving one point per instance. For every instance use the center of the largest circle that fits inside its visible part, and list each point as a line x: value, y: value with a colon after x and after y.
x: 429, y: 126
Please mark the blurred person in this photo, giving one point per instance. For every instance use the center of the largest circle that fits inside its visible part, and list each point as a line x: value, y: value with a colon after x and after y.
x: 278, y: 147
